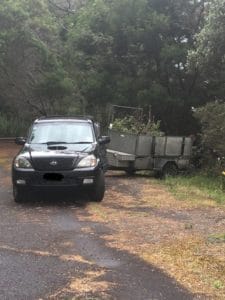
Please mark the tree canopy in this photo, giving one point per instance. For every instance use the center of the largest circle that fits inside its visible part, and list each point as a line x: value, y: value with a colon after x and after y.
x: 208, y: 55
x: 31, y: 72
x: 75, y: 57
x: 135, y: 52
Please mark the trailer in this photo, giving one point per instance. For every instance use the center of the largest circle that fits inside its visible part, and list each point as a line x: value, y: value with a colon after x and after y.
x: 161, y: 154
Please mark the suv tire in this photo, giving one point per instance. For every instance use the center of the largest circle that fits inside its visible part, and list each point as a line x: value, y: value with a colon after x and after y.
x: 18, y: 194
x: 98, y: 190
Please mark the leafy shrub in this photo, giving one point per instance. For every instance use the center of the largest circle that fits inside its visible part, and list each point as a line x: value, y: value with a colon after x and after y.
x: 132, y: 125
x: 212, y: 120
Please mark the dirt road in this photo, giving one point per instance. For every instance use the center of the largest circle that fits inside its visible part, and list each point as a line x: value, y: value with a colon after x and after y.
x: 50, y: 248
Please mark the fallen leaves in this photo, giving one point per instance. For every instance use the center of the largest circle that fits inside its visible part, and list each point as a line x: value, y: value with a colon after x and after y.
x: 191, y: 262
x: 7, y: 152
x: 148, y: 221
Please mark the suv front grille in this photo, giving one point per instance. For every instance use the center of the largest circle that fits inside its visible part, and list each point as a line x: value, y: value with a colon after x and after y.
x: 65, y: 181
x: 54, y: 164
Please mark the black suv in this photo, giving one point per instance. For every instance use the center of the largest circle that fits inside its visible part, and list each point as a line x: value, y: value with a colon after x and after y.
x: 61, y: 152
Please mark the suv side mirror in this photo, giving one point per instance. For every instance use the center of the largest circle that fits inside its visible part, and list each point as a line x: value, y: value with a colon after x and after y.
x: 104, y: 140
x: 20, y: 141
x: 97, y: 129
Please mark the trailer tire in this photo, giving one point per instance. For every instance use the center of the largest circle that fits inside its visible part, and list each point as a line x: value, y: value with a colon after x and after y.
x: 130, y: 172
x: 170, y: 169
x: 158, y: 174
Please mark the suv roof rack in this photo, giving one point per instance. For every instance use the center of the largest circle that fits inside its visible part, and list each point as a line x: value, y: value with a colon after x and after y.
x: 84, y: 117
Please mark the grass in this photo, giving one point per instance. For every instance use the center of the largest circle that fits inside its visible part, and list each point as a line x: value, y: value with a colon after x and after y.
x: 197, y: 188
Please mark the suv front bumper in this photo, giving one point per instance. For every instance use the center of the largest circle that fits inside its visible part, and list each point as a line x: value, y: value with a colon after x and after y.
x: 75, y: 178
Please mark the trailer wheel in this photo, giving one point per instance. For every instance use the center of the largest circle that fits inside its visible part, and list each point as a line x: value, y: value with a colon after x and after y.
x: 170, y: 169
x: 130, y: 172
x: 158, y: 174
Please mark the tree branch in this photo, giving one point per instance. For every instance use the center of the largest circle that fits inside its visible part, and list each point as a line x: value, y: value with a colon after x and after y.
x: 67, y: 10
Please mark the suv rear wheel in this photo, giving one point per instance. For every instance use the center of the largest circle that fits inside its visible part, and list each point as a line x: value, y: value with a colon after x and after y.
x: 98, y: 190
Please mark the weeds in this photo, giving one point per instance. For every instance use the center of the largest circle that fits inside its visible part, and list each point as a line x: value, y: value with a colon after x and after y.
x: 217, y: 284
x: 197, y: 188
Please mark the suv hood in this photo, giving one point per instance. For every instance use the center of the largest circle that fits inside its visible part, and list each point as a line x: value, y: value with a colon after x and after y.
x: 57, y: 157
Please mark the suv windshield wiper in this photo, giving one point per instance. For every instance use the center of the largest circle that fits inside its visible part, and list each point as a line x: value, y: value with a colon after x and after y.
x: 82, y: 143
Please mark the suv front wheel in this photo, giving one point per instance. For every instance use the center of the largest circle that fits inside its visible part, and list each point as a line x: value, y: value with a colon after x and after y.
x: 18, y: 194
x: 98, y: 190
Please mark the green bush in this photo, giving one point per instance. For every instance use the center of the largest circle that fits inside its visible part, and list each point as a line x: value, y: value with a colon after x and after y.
x: 212, y: 120
x: 11, y: 126
x: 132, y: 125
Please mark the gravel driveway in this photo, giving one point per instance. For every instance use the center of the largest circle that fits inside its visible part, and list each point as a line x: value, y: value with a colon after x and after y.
x: 49, y: 248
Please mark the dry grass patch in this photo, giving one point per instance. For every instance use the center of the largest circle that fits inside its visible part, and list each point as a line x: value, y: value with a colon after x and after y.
x: 150, y: 222
x: 194, y: 263
x: 89, y: 283
x: 5, y: 163
x: 7, y: 152
x: 5, y: 181
x: 170, y: 195
x: 76, y: 258
x: 85, y: 286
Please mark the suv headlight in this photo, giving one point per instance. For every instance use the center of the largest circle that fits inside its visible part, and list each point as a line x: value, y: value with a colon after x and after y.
x: 88, y: 161
x: 22, y: 163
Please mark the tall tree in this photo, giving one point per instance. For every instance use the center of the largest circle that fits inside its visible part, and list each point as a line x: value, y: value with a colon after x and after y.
x: 135, y: 52
x: 208, y: 57
x: 29, y: 46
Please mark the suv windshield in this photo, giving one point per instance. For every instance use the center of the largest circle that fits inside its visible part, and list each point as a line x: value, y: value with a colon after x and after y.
x: 61, y: 132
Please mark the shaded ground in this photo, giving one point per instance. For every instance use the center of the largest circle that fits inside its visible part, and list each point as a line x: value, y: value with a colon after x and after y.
x: 59, y: 247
